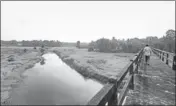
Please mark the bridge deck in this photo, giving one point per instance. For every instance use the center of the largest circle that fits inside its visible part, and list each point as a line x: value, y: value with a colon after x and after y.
x: 154, y: 85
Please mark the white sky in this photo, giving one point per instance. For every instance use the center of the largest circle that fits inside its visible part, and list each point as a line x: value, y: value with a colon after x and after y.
x: 70, y: 21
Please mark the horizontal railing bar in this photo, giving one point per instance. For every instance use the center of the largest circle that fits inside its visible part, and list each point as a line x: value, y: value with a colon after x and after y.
x: 134, y: 59
x: 124, y: 72
x: 103, y: 95
x: 164, y: 51
x: 165, y: 56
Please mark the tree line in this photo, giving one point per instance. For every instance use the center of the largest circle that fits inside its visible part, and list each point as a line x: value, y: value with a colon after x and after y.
x: 33, y: 43
x: 167, y: 43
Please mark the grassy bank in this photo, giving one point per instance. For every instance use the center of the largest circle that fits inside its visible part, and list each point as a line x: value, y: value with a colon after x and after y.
x: 11, y: 71
x: 103, y: 67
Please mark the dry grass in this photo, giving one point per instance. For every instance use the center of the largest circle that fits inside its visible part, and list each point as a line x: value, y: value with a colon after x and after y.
x: 11, y: 71
x: 95, y: 63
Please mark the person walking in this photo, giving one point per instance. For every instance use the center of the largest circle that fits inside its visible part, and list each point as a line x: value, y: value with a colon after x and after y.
x: 147, y: 54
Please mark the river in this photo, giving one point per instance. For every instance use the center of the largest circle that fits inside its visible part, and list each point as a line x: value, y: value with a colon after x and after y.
x: 52, y: 82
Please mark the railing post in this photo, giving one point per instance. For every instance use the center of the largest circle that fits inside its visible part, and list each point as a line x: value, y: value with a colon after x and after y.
x: 160, y: 54
x: 155, y: 52
x: 174, y: 59
x: 137, y: 66
x: 167, y: 57
x: 113, y: 101
x: 174, y: 63
x: 137, y: 61
x: 163, y: 56
x: 131, y: 86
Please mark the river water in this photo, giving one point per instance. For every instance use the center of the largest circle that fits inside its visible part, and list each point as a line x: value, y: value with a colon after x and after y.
x: 52, y: 82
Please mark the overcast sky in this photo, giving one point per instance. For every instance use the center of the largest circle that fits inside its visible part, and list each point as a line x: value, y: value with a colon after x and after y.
x: 70, y: 21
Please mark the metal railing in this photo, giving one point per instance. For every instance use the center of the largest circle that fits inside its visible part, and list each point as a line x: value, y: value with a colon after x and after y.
x: 108, y: 94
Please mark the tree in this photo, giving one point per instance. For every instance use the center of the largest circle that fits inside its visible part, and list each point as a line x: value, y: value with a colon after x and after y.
x: 104, y: 45
x: 14, y: 42
x: 170, y: 40
x: 78, y: 44
x: 114, y: 43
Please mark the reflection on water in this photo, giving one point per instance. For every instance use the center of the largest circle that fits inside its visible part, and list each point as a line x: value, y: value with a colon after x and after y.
x: 53, y: 82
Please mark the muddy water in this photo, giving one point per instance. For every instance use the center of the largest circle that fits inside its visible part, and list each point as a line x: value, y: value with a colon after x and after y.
x: 52, y: 82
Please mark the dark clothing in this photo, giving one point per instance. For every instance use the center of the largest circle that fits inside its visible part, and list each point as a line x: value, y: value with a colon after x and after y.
x: 147, y: 58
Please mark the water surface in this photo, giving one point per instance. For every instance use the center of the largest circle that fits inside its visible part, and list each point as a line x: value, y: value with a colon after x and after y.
x: 52, y: 82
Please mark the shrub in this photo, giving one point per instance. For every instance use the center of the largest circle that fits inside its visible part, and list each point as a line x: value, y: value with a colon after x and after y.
x: 90, y: 49
x: 78, y: 44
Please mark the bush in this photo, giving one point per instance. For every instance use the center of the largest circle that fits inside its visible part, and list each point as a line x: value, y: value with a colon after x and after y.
x: 25, y: 50
x: 104, y: 45
x: 78, y: 44
x: 90, y: 49
x: 42, y: 50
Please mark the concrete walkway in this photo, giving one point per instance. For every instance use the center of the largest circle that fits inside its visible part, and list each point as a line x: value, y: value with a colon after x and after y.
x: 154, y: 85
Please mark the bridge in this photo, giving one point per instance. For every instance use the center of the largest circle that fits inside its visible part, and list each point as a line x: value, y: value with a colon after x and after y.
x: 141, y: 84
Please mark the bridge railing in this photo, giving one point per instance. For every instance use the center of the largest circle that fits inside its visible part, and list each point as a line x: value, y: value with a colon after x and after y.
x: 166, y: 57
x: 108, y: 94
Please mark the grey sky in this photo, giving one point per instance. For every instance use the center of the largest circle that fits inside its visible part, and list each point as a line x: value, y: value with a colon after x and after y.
x: 70, y: 21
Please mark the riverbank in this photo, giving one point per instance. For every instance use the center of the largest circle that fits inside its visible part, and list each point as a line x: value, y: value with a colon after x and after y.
x: 103, y: 67
x: 14, y: 61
